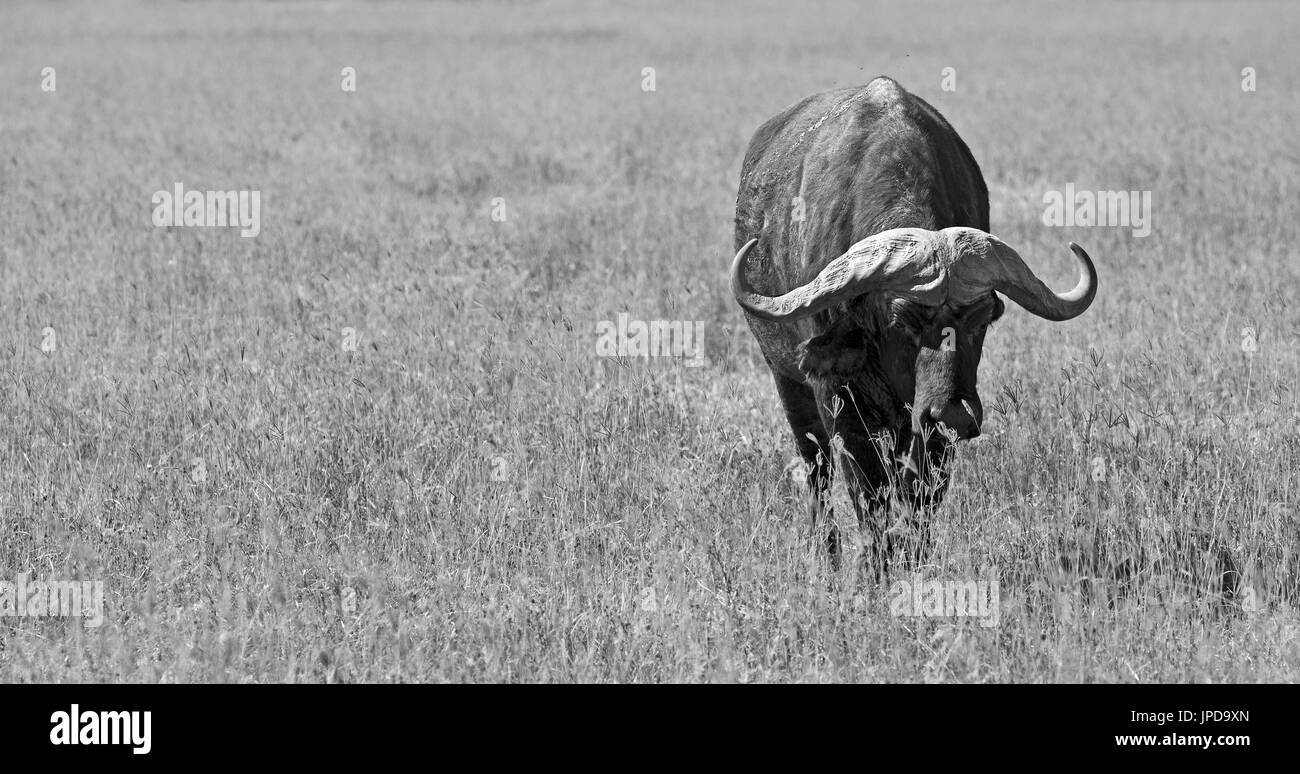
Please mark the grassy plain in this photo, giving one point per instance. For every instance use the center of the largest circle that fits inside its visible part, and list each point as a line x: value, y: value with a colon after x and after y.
x: 473, y: 494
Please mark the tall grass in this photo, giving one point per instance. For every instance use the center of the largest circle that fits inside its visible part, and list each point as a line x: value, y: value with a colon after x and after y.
x: 473, y: 495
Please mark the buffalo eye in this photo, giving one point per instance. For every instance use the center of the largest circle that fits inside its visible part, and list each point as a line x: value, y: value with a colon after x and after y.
x: 909, y: 319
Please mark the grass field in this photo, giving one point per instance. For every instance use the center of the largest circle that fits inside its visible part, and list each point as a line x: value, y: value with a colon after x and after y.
x: 473, y: 494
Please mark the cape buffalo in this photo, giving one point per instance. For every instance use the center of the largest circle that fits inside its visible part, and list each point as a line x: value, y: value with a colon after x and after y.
x: 868, y: 276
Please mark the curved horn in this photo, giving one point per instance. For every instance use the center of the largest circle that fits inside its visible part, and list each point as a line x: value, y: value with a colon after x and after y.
x: 899, y: 259
x: 1016, y: 281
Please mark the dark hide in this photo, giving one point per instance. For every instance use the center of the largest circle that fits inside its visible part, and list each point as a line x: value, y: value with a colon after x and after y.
x: 879, y: 372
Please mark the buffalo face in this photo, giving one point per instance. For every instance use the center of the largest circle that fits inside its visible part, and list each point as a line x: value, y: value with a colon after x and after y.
x: 919, y: 363
x: 902, y: 317
x: 935, y: 355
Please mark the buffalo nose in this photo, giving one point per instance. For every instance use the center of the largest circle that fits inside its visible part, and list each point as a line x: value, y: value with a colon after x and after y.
x: 958, y: 417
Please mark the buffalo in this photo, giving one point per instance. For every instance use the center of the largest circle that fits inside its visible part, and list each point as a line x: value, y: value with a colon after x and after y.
x: 867, y: 274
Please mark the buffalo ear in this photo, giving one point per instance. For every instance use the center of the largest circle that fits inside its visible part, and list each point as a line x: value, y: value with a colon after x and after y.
x: 838, y: 353
x: 998, y: 308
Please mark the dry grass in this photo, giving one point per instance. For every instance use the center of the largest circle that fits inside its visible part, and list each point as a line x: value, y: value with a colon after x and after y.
x: 474, y: 495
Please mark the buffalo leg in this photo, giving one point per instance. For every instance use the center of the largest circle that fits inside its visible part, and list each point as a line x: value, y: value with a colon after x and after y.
x: 922, y: 470
x: 864, y: 466
x: 801, y: 411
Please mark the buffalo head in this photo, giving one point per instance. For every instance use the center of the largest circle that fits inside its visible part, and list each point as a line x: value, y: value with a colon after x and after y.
x: 915, y: 305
